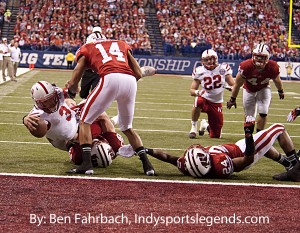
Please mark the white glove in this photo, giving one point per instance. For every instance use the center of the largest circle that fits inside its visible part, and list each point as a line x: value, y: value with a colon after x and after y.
x: 126, y: 151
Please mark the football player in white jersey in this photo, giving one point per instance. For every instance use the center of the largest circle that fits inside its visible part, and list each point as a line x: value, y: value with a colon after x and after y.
x: 213, y: 78
x: 62, y: 118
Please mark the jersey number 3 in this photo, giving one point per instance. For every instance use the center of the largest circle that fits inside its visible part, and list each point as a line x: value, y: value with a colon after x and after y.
x: 114, y: 50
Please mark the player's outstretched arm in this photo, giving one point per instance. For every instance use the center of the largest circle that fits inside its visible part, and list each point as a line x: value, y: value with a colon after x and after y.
x: 242, y: 162
x: 134, y: 65
x: 162, y: 156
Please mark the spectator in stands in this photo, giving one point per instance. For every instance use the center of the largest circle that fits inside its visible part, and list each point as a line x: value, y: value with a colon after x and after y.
x: 7, y: 15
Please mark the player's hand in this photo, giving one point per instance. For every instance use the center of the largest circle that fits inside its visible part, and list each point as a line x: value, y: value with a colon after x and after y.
x: 231, y: 102
x: 281, y: 94
x: 228, y: 88
x: 293, y: 114
x: 71, y: 94
x: 31, y: 122
x: 249, y: 125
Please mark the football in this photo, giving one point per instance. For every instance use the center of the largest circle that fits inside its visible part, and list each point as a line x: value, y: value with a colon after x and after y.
x: 148, y: 71
x: 40, y: 130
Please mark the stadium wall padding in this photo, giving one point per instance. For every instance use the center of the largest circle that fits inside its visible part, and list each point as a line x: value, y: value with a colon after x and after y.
x: 163, y: 64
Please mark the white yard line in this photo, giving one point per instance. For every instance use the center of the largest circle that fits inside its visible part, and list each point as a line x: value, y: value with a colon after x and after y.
x: 147, y: 180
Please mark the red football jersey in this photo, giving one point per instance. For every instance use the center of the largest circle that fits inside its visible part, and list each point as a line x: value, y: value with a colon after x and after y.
x: 221, y: 161
x: 258, y: 79
x: 105, y: 57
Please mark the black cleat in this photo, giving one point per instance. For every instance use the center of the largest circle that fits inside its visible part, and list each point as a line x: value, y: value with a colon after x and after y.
x: 281, y: 176
x: 84, y: 168
x: 291, y: 175
x: 147, y: 166
x: 78, y: 171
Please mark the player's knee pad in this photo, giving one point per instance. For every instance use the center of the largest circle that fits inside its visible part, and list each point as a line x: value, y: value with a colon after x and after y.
x: 263, y: 115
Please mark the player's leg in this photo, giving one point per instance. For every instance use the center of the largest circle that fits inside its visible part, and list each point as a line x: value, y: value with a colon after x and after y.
x: 195, y: 116
x: 279, y: 158
x: 293, y: 173
x: 197, y: 109
x: 126, y: 102
x: 263, y: 140
x: 215, y: 120
x: 249, y: 103
x: 97, y: 102
x: 263, y: 98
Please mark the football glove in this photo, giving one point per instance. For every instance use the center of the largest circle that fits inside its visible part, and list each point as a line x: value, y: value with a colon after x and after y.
x: 281, y: 94
x: 249, y: 129
x: 293, y: 114
x: 231, y: 102
x: 71, y: 94
x: 249, y: 126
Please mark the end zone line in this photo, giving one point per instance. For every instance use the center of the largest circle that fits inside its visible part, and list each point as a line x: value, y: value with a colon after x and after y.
x: 147, y: 180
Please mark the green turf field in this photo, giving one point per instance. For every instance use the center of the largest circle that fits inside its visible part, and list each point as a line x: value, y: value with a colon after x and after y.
x: 162, y: 118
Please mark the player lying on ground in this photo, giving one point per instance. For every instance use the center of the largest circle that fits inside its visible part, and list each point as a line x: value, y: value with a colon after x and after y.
x: 222, y: 160
x: 57, y: 119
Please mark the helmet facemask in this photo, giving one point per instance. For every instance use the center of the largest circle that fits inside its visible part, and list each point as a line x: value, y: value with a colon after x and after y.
x: 209, y: 59
x: 210, y: 62
x: 260, y: 56
x: 45, y: 96
x: 49, y: 103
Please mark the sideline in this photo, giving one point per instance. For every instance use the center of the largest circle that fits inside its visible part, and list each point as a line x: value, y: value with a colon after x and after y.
x: 20, y: 71
x: 147, y: 180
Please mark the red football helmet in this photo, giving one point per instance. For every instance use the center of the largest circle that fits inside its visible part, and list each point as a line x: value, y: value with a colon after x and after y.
x: 209, y: 59
x: 45, y: 96
x: 260, y: 56
x: 197, y: 161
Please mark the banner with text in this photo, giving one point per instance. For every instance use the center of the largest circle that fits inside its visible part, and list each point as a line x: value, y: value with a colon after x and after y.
x: 164, y: 65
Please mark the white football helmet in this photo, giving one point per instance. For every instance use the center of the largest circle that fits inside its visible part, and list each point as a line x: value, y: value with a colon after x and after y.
x: 197, y: 161
x: 209, y: 59
x: 261, y: 55
x: 45, y: 96
x: 102, y: 153
x: 95, y: 36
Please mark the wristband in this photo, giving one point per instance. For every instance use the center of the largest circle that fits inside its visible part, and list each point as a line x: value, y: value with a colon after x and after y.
x: 23, y: 119
x: 197, y: 92
x: 71, y: 94
x: 280, y: 91
x: 232, y: 99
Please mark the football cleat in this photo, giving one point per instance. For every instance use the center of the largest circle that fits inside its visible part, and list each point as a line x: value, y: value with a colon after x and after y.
x: 78, y: 171
x: 291, y: 175
x: 281, y: 176
x: 203, y: 127
x: 147, y: 166
x: 192, y: 134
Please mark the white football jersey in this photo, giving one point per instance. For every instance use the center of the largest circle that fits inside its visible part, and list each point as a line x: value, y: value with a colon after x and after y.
x: 212, y: 81
x: 63, y: 123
